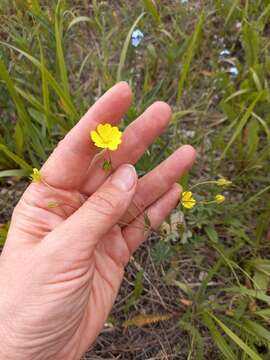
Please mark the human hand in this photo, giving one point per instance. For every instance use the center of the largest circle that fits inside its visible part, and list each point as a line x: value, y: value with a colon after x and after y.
x: 61, y: 267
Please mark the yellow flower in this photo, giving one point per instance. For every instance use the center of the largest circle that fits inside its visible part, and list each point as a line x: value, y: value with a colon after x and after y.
x: 106, y: 136
x: 223, y: 182
x: 36, y: 175
x: 219, y: 199
x: 187, y: 200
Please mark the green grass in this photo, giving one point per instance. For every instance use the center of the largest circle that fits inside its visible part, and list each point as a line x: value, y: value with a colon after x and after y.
x: 56, y: 59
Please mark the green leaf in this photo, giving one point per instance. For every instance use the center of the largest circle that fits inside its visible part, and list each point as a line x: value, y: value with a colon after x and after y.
x: 78, y: 20
x: 125, y: 48
x: 35, y: 5
x: 59, y: 49
x: 196, y: 338
x: 258, y: 329
x: 261, y: 281
x: 23, y: 164
x: 38, y: 105
x: 152, y: 9
x: 237, y: 93
x: 249, y: 292
x: 254, y: 355
x: 66, y: 102
x: 262, y: 265
x: 19, y: 139
x: 253, y: 138
x: 251, y: 44
x: 255, y: 197
x: 161, y: 252
x: 22, y: 113
x: 189, y: 56
x: 137, y: 292
x: 241, y: 124
x: 211, y: 233
x: 263, y: 19
x: 231, y: 11
x: 218, y: 339
x: 107, y: 165
x: 45, y: 88
x: 11, y: 173
x: 265, y: 313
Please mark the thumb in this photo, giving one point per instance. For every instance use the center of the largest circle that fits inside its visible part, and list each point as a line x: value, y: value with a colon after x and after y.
x: 101, y: 211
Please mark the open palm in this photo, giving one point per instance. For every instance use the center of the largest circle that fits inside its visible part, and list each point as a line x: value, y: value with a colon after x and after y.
x: 65, y: 263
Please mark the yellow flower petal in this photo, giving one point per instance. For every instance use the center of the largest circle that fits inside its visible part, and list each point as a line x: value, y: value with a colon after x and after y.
x: 187, y: 200
x: 219, y: 199
x: 104, y: 131
x: 223, y: 182
x: 95, y: 137
x: 114, y: 145
x: 106, y: 136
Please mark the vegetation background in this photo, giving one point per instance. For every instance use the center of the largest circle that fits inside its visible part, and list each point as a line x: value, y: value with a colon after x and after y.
x: 201, y: 290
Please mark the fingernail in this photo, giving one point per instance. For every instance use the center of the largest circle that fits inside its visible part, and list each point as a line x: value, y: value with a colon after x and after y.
x: 124, y: 178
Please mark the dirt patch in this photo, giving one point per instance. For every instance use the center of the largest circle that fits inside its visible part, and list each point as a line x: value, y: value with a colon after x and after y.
x: 10, y: 194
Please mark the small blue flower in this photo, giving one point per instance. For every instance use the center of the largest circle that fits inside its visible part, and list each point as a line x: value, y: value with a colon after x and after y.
x: 224, y: 53
x: 136, y: 37
x: 233, y: 71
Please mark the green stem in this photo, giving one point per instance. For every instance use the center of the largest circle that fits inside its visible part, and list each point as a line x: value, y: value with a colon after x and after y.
x: 203, y: 183
x: 133, y: 202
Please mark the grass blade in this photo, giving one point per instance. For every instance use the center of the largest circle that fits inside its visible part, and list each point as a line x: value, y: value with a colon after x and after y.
x: 220, y: 342
x: 45, y: 88
x: 189, y: 56
x: 151, y: 8
x: 67, y: 104
x: 25, y: 121
x: 14, y: 95
x: 78, y: 20
x: 249, y: 292
x: 241, y: 124
x: 255, y: 196
x: 39, y: 106
x: 258, y: 329
x: 35, y: 5
x: 59, y: 49
x: 23, y: 164
x: 230, y: 13
x: 125, y: 48
x: 196, y: 339
x: 12, y: 173
x: 236, y: 339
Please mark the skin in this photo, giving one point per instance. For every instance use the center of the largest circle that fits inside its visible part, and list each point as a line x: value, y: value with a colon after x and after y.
x: 61, y: 268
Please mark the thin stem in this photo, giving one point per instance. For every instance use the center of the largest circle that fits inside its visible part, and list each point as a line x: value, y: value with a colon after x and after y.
x: 203, y: 183
x: 133, y: 202
x: 110, y: 159
x: 207, y: 202
x: 53, y: 189
x: 122, y: 223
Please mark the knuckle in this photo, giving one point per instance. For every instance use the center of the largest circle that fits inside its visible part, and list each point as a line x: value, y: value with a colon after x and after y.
x: 103, y: 203
x: 139, y: 204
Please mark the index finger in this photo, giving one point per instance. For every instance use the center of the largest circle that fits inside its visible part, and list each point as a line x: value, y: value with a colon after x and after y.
x: 68, y: 164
